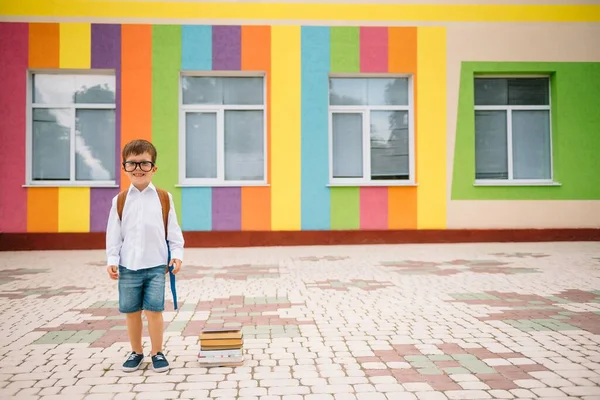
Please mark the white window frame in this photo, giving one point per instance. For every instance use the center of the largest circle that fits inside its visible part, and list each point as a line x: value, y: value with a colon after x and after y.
x: 219, y: 110
x: 365, y: 111
x: 511, y: 181
x: 72, y: 182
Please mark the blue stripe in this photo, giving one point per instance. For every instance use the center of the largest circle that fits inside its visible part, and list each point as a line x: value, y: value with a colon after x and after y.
x: 196, y: 55
x: 196, y: 47
x: 315, y: 127
x: 196, y: 205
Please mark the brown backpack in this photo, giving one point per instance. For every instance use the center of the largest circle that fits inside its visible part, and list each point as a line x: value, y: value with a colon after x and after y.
x: 163, y: 195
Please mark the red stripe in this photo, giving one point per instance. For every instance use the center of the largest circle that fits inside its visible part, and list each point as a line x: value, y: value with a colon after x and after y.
x: 373, y: 208
x: 373, y: 49
x: 14, y: 56
x: 373, y: 58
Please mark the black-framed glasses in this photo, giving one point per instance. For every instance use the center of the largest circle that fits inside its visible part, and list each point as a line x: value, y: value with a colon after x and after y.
x: 145, y: 166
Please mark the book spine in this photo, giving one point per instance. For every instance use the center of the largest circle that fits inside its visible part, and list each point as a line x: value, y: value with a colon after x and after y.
x: 220, y: 353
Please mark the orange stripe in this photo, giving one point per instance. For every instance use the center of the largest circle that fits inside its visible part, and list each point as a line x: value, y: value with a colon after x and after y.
x: 402, y: 50
x: 43, y: 45
x: 42, y: 210
x: 256, y: 56
x: 402, y: 58
x: 136, y: 85
x: 42, y: 203
x: 402, y: 207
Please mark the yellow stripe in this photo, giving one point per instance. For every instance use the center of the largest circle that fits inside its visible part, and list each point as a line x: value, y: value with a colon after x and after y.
x: 73, y: 209
x: 285, y: 128
x: 75, y: 45
x: 292, y: 11
x: 431, y: 126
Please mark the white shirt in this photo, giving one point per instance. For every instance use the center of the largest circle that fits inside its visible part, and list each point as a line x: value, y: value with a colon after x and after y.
x: 138, y: 241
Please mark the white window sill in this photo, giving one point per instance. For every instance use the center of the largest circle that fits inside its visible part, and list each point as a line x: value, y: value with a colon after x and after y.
x: 70, y: 185
x: 516, y: 183
x: 223, y: 184
x: 371, y: 184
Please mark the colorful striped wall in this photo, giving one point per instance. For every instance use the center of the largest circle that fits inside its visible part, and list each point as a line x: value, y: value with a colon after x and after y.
x: 148, y: 60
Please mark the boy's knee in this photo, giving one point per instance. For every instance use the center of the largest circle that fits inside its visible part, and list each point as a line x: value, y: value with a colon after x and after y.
x: 153, y: 314
x: 135, y: 314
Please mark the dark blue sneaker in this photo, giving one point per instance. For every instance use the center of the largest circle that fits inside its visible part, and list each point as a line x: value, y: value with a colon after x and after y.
x: 133, y: 362
x: 160, y: 363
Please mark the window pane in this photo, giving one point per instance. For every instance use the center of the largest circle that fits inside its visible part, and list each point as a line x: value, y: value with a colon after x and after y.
x: 243, y: 91
x: 347, y: 91
x: 528, y: 92
x: 244, y: 146
x: 222, y: 90
x: 491, y: 92
x: 389, y: 145
x: 68, y: 89
x: 513, y: 91
x: 531, y: 144
x: 95, y: 145
x: 202, y: 90
x: 201, y: 145
x: 51, y: 144
x: 390, y: 92
x: 347, y: 145
x: 491, y: 159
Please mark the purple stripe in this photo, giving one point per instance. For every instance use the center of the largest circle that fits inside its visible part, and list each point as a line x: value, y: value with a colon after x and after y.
x: 100, y: 202
x: 106, y: 44
x: 226, y: 209
x: 226, y: 47
x: 106, y: 53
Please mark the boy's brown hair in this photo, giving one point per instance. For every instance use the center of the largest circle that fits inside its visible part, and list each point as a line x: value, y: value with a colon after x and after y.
x: 137, y: 147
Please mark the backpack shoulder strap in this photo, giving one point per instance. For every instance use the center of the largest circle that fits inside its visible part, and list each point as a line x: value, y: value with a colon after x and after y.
x: 163, y: 195
x: 121, y: 203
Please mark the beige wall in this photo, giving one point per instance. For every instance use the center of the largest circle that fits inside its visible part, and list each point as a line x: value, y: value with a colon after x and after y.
x: 491, y: 214
x: 516, y: 42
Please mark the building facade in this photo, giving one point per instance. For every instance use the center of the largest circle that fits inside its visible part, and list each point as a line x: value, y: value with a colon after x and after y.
x: 303, y: 116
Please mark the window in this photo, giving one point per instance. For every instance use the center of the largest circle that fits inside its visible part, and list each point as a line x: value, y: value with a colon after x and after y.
x: 71, y: 133
x: 512, y: 130
x: 371, y: 131
x: 223, y: 130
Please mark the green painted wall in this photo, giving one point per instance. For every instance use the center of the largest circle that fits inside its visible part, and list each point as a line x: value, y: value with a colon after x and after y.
x: 345, y: 208
x: 345, y: 57
x: 166, y: 63
x: 575, y: 102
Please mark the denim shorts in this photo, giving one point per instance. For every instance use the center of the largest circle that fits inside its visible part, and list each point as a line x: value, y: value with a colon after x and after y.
x: 142, y: 290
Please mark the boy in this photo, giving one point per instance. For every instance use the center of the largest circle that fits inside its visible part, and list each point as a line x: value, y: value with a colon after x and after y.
x: 137, y: 253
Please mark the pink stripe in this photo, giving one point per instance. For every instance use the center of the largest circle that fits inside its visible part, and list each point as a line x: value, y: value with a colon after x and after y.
x: 14, y: 57
x: 373, y: 49
x: 373, y: 208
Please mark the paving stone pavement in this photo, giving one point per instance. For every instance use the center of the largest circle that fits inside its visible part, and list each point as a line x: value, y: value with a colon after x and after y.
x: 427, y: 322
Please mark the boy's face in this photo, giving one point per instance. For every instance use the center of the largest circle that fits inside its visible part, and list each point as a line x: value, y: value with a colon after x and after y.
x: 139, y: 175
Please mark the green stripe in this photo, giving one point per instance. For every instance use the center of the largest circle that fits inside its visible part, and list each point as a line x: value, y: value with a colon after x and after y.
x: 345, y: 208
x: 345, y: 49
x: 166, y: 63
x: 345, y: 57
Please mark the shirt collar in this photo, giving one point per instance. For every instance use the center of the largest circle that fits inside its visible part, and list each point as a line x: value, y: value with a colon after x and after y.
x: 135, y: 190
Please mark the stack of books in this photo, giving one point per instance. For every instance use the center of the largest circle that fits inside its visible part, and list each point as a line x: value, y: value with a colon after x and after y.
x: 221, y: 347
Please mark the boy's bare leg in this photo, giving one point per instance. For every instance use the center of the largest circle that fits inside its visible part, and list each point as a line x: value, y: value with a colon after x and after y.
x: 134, y: 329
x: 155, y: 328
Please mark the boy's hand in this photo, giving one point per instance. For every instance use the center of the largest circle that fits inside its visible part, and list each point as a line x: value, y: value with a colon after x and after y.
x: 177, y: 263
x: 113, y: 272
